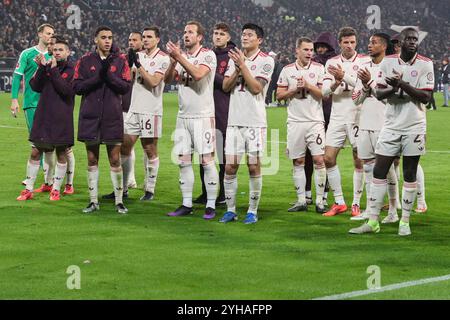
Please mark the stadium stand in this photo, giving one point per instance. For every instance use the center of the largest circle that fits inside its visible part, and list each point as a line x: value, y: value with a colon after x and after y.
x: 283, y: 22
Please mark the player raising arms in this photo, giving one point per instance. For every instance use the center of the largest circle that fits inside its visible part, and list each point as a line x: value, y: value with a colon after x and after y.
x: 101, y: 77
x: 407, y: 81
x: 144, y: 119
x: 301, y: 84
x: 53, y: 121
x: 195, y: 128
x: 248, y: 76
x: 339, y: 82
x: 371, y: 121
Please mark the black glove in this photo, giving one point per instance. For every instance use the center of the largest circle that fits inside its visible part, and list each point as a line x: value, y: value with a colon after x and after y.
x: 104, y: 69
x: 137, y: 63
x: 131, y: 57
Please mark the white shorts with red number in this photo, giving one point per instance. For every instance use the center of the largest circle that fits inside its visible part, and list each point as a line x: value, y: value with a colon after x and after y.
x: 394, y: 145
x: 250, y: 140
x: 196, y: 134
x: 143, y: 125
x: 305, y: 135
x: 338, y: 133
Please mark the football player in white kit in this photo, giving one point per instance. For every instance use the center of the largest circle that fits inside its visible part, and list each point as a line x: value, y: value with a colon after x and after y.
x: 247, y: 78
x: 144, y: 119
x: 339, y: 81
x: 195, y: 129
x: 371, y: 121
x: 407, y: 82
x: 301, y: 83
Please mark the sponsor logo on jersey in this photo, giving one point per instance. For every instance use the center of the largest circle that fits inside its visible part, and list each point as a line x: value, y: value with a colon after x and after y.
x: 253, y: 67
x: 414, y: 73
x: 430, y: 76
x: 312, y: 75
x: 355, y: 67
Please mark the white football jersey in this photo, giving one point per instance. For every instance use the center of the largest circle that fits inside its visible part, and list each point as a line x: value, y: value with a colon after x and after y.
x: 372, y: 110
x: 344, y: 110
x: 247, y: 109
x: 303, y: 107
x: 403, y: 114
x: 143, y: 100
x: 195, y: 98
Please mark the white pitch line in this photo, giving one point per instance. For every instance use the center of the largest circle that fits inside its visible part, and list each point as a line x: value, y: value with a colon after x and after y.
x: 11, y: 127
x: 391, y: 287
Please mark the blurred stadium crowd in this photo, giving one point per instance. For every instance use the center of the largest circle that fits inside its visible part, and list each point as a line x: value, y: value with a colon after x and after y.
x: 283, y: 22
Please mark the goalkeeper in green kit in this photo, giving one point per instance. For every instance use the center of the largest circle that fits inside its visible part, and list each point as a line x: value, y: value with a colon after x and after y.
x: 26, y: 67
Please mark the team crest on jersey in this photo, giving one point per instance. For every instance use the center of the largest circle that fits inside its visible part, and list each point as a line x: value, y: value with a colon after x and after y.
x: 414, y: 73
x: 152, y: 63
x: 355, y: 67
x: 195, y: 62
x: 223, y: 63
x: 165, y: 65
x: 312, y: 75
x: 209, y: 59
x: 113, y: 69
x: 17, y: 65
x: 267, y: 67
x: 92, y: 68
x: 64, y: 75
x: 253, y: 67
x: 430, y: 76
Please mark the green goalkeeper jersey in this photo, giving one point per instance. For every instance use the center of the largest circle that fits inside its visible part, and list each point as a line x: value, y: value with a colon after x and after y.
x: 26, y: 67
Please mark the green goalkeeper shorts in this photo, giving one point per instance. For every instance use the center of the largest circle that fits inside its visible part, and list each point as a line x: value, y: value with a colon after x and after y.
x: 29, y: 117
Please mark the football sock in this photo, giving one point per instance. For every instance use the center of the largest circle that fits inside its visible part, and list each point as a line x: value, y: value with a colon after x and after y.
x: 211, y: 177
x: 117, y: 181
x: 49, y: 167
x: 392, y: 190
x: 93, y: 183
x: 131, y: 176
x: 368, y: 174
x: 377, y: 192
x: 32, y: 171
x: 408, y: 197
x: 299, y: 176
x: 126, y: 167
x: 420, y: 187
x: 186, y: 183
x: 334, y: 179
x: 152, y: 174
x: 255, y: 186
x: 230, y: 184
x: 320, y: 178
x: 70, y: 166
x: 60, y: 172
x: 358, y: 185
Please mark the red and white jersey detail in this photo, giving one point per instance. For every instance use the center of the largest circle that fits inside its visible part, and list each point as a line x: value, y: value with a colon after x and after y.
x: 403, y: 114
x: 144, y: 100
x: 303, y: 107
x: 247, y: 109
x: 372, y: 110
x: 344, y: 110
x: 195, y: 98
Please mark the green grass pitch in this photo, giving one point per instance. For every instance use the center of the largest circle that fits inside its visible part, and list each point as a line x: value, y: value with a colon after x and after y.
x: 147, y: 255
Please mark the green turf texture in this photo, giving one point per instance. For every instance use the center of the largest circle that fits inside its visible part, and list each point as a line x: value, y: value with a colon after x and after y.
x: 147, y: 255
